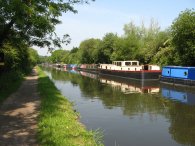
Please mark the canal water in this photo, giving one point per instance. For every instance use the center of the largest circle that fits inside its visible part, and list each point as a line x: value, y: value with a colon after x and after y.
x: 130, y: 113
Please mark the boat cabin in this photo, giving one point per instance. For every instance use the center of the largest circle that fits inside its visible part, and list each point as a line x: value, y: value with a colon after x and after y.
x: 179, y: 72
x: 150, y: 67
x: 126, y: 63
x: 128, y: 66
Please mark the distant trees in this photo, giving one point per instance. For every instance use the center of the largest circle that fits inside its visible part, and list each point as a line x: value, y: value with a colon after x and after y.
x: 173, y: 46
x: 137, y: 43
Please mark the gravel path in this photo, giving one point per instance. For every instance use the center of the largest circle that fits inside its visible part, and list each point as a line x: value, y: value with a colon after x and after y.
x: 19, y: 113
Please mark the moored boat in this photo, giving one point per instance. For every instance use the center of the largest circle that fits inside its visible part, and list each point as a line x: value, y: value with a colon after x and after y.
x: 70, y: 66
x: 92, y: 68
x: 131, y: 70
x: 178, y: 75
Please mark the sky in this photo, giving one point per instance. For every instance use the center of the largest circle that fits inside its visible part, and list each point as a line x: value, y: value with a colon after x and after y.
x: 96, y: 19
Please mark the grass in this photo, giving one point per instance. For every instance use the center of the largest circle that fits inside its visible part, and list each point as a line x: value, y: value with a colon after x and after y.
x: 58, y: 122
x: 9, y: 83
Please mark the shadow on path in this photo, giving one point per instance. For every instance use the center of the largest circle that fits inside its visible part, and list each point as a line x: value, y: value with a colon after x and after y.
x: 19, y: 113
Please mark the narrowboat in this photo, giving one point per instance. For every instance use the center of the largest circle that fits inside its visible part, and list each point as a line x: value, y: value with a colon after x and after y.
x: 178, y: 75
x: 91, y: 68
x: 131, y: 70
x: 70, y: 66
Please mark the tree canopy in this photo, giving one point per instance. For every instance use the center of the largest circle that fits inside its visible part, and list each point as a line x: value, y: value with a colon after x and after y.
x: 33, y: 21
x: 183, y: 33
x: 27, y: 23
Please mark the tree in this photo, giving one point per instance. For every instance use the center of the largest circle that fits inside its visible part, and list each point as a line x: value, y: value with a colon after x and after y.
x: 183, y: 37
x: 33, y: 22
x: 57, y: 56
x: 108, y: 46
x: 72, y: 56
x: 33, y: 56
x: 89, y: 51
x: 21, y: 59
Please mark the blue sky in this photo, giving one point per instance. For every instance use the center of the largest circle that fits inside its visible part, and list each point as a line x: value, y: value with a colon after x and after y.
x: 104, y: 16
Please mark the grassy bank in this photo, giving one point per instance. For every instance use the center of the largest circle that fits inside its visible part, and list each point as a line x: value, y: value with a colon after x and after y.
x: 9, y: 83
x: 58, y: 123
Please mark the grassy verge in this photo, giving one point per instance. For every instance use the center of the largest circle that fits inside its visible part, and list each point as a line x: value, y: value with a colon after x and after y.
x: 9, y: 83
x: 58, y: 123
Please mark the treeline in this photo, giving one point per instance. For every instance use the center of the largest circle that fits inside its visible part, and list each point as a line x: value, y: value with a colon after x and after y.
x: 173, y: 46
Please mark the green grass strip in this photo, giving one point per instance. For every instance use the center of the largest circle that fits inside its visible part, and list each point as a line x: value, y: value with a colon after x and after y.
x: 58, y: 123
x: 9, y: 83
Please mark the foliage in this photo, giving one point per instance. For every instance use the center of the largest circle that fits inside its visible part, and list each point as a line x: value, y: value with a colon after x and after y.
x: 58, y: 123
x: 33, y: 22
x: 57, y: 56
x: 89, y: 51
x: 9, y: 83
x: 183, y: 33
x: 108, y: 45
x: 20, y: 58
x: 72, y: 57
x: 33, y: 56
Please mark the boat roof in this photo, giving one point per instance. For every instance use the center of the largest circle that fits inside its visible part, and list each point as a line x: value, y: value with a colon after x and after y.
x: 127, y: 61
x: 191, y: 67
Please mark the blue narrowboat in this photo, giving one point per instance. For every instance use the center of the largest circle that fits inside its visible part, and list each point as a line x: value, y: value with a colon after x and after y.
x: 178, y: 75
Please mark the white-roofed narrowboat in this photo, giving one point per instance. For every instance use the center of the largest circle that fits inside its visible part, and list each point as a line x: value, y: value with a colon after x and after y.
x: 131, y: 70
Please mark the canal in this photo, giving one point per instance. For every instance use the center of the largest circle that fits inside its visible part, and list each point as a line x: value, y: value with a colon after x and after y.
x: 130, y: 113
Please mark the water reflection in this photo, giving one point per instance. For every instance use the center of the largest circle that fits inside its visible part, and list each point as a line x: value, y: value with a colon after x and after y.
x: 142, y: 116
x: 181, y: 94
x: 130, y: 86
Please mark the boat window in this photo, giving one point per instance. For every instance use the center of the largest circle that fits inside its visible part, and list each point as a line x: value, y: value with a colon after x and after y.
x: 128, y: 68
x: 135, y: 69
x: 150, y: 67
x: 185, y: 73
x: 127, y: 63
x: 118, y: 63
x: 121, y: 68
x: 134, y: 63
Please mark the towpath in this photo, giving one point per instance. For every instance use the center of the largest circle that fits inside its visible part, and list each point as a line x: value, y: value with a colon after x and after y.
x: 19, y: 113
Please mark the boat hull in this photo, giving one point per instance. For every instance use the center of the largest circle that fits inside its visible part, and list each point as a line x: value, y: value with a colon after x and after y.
x: 177, y: 81
x: 137, y: 75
